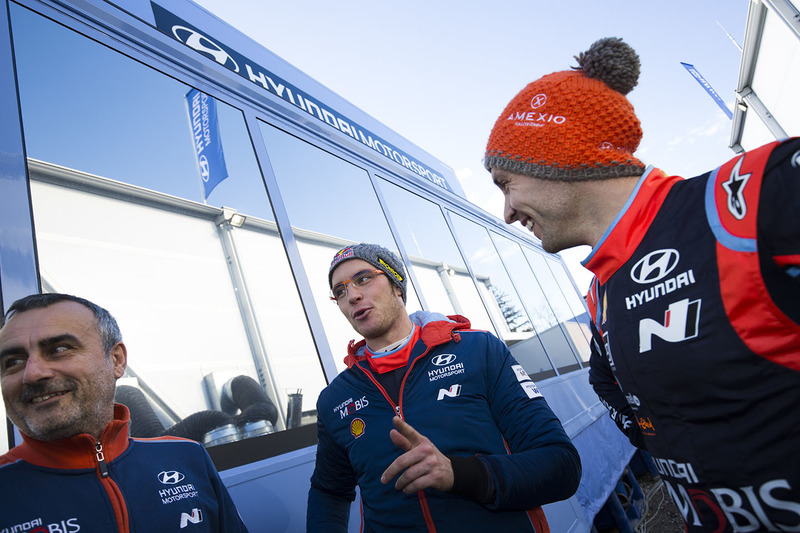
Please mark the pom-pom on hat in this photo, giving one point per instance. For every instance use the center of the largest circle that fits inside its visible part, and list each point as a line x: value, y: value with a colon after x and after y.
x: 576, y: 124
x: 375, y: 255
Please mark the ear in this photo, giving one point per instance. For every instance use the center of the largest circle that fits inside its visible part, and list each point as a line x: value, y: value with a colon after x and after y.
x: 119, y: 358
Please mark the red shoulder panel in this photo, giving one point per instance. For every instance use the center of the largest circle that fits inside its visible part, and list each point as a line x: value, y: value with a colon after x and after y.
x: 761, y: 325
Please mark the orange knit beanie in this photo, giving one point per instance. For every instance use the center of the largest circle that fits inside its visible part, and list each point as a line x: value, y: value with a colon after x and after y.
x: 573, y: 125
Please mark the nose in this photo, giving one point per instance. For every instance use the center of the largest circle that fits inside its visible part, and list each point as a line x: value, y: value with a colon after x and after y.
x: 509, y: 213
x: 36, y: 369
x: 353, y: 293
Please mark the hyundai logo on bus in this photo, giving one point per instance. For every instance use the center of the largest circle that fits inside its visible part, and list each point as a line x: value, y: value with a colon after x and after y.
x: 202, y: 44
x: 180, y: 30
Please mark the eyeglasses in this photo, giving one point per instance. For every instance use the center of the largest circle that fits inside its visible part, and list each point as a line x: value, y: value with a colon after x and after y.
x: 359, y: 279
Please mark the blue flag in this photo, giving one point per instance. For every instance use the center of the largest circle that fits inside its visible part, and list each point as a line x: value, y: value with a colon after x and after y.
x: 707, y: 86
x: 206, y: 140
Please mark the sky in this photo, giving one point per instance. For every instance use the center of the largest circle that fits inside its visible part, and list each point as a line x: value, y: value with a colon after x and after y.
x: 439, y: 73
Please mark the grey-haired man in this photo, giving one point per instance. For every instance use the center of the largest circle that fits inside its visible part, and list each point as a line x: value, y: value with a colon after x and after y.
x: 60, y: 357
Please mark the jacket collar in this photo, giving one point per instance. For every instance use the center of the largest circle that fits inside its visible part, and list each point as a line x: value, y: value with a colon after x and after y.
x: 436, y: 329
x: 78, y: 451
x: 625, y: 234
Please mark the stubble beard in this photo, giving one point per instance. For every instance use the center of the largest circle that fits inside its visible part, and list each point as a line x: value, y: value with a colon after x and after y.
x: 72, y: 415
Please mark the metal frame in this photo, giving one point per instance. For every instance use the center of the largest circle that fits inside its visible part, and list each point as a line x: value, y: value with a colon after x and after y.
x: 746, y: 98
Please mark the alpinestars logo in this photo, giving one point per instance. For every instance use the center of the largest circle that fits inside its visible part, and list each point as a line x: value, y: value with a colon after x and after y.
x: 734, y: 187
x: 681, y: 322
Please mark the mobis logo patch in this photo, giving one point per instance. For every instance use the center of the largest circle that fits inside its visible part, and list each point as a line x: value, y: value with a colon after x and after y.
x: 36, y: 525
x: 350, y: 406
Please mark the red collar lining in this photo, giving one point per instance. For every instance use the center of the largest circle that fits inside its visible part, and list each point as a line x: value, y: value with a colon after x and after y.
x: 388, y: 361
x: 78, y: 451
x: 627, y: 233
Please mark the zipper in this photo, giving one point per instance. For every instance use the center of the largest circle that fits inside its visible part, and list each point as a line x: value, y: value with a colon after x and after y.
x: 426, y: 512
x: 380, y: 389
x: 113, y: 492
x: 101, y: 460
x: 405, y: 377
x: 423, y: 502
x: 398, y: 409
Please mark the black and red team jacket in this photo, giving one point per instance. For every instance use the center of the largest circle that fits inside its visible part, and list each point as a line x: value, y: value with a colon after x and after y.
x: 696, y: 309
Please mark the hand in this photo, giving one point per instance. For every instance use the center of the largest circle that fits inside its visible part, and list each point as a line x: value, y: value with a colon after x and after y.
x: 423, y: 466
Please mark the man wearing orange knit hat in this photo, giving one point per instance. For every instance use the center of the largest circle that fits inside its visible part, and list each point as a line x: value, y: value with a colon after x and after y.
x: 696, y: 297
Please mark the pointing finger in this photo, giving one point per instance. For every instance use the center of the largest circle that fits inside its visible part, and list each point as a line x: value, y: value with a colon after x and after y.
x: 407, y: 431
x: 400, y: 441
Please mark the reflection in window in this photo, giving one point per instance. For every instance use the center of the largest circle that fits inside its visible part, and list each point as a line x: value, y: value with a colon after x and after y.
x: 120, y: 219
x: 111, y: 116
x: 569, y: 307
x: 501, y: 298
x: 545, y: 320
x: 576, y: 301
x: 279, y: 316
x: 331, y: 203
x: 434, y: 256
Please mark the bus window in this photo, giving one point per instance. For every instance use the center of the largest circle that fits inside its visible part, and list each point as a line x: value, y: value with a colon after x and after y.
x: 122, y: 218
x: 342, y: 209
x: 439, y: 268
x: 89, y: 108
x: 545, y: 320
x: 502, y: 299
x: 565, y: 301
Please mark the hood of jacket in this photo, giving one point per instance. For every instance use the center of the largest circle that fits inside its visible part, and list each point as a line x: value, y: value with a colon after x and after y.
x: 436, y: 329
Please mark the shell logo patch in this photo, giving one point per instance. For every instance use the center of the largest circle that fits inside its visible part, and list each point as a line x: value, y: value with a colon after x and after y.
x: 357, y: 427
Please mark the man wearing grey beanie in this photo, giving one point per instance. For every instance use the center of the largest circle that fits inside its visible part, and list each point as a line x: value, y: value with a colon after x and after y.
x: 436, y: 423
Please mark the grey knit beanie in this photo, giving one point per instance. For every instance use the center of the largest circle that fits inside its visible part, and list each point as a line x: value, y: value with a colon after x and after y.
x: 377, y: 256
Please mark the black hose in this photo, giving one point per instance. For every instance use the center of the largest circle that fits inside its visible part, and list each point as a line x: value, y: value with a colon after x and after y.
x: 250, y: 398
x: 144, y: 421
x: 198, y: 424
